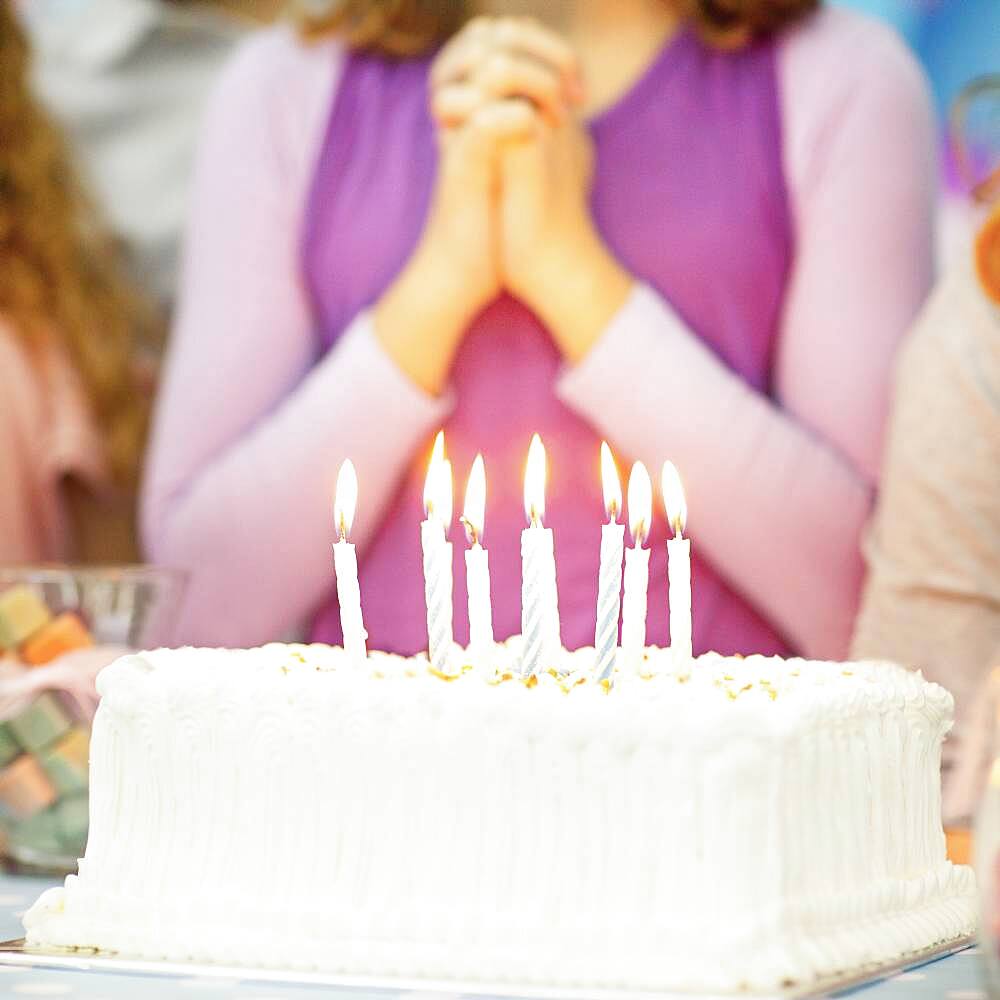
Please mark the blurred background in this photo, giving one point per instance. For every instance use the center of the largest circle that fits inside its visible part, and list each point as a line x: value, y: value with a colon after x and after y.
x: 128, y: 79
x: 957, y: 43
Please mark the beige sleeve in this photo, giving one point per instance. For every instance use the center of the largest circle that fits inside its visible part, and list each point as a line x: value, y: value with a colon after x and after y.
x: 932, y: 599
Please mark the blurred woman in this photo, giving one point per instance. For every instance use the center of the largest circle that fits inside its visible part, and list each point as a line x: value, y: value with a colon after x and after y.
x: 71, y: 418
x: 696, y: 228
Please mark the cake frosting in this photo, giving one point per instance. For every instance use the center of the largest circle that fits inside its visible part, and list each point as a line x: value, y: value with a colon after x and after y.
x: 727, y: 824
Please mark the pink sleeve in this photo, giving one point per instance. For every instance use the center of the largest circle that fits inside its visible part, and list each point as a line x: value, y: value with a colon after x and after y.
x: 22, y: 503
x: 251, y: 428
x: 780, y: 489
x: 47, y: 434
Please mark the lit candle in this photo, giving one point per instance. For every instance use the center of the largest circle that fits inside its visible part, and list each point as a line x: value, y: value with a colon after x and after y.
x: 678, y: 563
x: 345, y: 561
x: 640, y: 514
x: 609, y: 584
x: 477, y: 563
x: 437, y: 557
x: 539, y: 598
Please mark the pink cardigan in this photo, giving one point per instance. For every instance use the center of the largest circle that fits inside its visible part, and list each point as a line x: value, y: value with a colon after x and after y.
x: 776, y: 487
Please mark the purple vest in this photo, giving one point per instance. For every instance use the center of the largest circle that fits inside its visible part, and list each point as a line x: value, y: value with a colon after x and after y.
x: 690, y: 196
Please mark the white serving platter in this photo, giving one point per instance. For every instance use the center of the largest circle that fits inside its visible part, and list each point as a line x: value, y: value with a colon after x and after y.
x: 16, y: 953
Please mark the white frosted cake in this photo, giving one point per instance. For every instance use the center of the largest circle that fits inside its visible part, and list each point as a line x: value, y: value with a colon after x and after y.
x: 731, y: 825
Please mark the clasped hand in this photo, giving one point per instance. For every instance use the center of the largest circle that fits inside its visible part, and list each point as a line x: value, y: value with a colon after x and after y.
x: 510, y: 209
x: 504, y: 94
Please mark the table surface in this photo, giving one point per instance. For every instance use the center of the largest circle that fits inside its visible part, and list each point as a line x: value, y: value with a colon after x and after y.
x: 953, y: 978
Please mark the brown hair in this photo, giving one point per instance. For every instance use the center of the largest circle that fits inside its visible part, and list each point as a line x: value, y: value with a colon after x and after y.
x: 988, y: 255
x: 401, y: 28
x: 59, y: 277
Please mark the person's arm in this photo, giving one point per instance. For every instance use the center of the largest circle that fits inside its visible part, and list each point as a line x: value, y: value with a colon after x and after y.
x: 932, y: 597
x: 49, y: 446
x: 22, y: 515
x: 779, y: 489
x: 251, y: 429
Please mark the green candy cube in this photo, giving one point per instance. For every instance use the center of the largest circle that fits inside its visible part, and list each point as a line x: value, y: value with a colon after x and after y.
x: 40, y: 725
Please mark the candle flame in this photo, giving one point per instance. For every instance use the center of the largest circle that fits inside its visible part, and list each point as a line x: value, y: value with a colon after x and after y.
x: 345, y: 499
x: 673, y: 499
x: 438, y: 490
x: 640, y: 503
x: 611, y: 483
x: 474, y: 513
x: 534, y: 482
x: 437, y: 453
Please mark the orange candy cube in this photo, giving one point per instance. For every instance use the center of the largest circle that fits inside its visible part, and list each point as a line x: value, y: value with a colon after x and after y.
x: 25, y: 788
x: 62, y: 635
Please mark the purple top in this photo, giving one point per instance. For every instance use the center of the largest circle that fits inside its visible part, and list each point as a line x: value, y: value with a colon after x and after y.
x: 712, y: 240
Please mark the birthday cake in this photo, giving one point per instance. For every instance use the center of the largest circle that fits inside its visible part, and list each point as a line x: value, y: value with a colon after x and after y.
x: 719, y: 824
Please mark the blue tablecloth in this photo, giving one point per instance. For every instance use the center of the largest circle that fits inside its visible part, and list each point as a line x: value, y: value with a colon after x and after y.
x: 953, y: 978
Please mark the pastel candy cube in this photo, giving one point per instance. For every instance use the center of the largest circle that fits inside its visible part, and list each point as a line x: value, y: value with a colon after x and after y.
x: 22, y: 614
x: 72, y: 820
x: 9, y: 747
x: 40, y: 725
x: 36, y: 839
x: 67, y: 762
x: 62, y: 634
x: 25, y: 788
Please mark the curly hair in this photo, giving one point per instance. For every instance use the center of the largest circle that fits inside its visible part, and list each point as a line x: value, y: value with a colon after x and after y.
x: 59, y: 278
x: 403, y: 28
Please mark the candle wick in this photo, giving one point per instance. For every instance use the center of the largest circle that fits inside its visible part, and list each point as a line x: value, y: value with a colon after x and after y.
x: 342, y: 528
x: 471, y: 535
x: 613, y: 512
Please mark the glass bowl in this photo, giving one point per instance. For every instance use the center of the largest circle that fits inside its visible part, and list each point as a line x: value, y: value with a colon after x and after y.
x: 44, y: 742
x: 132, y: 606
